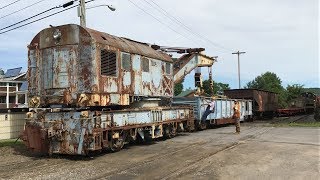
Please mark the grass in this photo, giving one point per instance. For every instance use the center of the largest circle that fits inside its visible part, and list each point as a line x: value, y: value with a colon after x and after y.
x: 298, y: 124
x: 305, y: 124
x: 10, y: 142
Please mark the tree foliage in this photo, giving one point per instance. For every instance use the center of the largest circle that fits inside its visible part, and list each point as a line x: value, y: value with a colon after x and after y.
x: 178, y: 87
x: 268, y: 81
x: 293, y: 91
x: 218, y: 87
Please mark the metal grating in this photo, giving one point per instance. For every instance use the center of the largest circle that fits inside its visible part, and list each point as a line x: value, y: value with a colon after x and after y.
x: 108, y: 63
x: 13, y: 72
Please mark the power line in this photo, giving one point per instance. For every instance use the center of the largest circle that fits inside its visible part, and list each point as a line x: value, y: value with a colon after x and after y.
x: 64, y: 5
x: 29, y: 18
x: 9, y: 4
x: 22, y: 9
x: 166, y: 13
x: 38, y: 19
x: 160, y: 21
x: 35, y: 15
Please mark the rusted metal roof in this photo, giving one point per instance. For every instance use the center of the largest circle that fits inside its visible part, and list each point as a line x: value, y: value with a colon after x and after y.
x: 250, y: 89
x: 128, y: 45
x: 69, y: 36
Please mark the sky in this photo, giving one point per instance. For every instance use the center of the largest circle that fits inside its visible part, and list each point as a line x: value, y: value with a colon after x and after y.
x: 279, y: 36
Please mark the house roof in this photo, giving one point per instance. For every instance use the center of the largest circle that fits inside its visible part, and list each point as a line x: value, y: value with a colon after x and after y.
x: 12, y: 79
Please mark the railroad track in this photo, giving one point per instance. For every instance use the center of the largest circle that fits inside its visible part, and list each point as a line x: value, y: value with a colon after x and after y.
x: 290, y: 119
x: 189, y: 167
x: 299, y: 118
x: 39, y: 165
x: 8, y: 170
x: 156, y: 158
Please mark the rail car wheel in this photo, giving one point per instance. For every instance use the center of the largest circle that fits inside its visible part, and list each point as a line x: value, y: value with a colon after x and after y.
x: 170, y: 131
x: 201, y: 125
x: 189, y: 126
x: 117, y: 144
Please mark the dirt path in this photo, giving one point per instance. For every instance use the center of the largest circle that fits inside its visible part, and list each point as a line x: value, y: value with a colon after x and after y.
x: 259, y: 151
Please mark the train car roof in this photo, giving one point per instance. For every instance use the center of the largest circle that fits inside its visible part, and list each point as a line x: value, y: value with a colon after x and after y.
x: 128, y: 45
x: 124, y: 44
x: 251, y: 89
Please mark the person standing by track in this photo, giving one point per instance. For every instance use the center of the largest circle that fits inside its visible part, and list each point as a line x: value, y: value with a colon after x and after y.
x: 236, y: 116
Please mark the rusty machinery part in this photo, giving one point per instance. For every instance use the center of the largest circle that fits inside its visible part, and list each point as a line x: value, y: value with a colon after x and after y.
x: 179, y: 50
x: 85, y: 132
x: 76, y: 132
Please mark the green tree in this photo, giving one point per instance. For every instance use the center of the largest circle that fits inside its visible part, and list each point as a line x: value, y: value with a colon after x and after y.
x: 178, y: 87
x: 269, y: 81
x: 293, y: 91
x: 218, y: 87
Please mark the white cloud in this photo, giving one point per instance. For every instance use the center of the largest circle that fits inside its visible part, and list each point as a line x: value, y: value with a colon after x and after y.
x: 279, y: 36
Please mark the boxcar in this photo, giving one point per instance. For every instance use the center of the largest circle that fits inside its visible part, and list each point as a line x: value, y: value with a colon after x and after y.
x: 265, y: 103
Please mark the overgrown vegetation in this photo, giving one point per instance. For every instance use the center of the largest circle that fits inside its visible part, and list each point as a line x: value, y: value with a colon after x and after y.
x: 10, y: 142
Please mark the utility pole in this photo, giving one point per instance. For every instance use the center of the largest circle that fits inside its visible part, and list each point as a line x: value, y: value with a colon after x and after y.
x: 82, y: 13
x: 239, y: 65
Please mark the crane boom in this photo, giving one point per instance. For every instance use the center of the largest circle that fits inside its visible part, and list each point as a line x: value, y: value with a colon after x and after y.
x: 193, y: 58
x: 186, y: 63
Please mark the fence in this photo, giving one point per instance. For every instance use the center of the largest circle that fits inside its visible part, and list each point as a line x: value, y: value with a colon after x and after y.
x: 11, y: 124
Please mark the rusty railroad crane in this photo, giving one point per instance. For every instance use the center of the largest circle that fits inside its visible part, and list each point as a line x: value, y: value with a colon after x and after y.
x: 91, y: 91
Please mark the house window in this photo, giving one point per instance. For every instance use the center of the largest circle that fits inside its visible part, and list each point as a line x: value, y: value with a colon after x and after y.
x: 2, y: 99
x: 21, y: 98
x: 126, y: 61
x: 12, y: 99
x: 145, y: 64
x: 108, y: 63
x: 168, y: 68
x: 3, y: 84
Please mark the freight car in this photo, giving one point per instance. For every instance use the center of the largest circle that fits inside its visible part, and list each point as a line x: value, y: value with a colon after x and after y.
x: 303, y: 104
x: 265, y: 103
x: 90, y: 91
x: 223, y: 113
